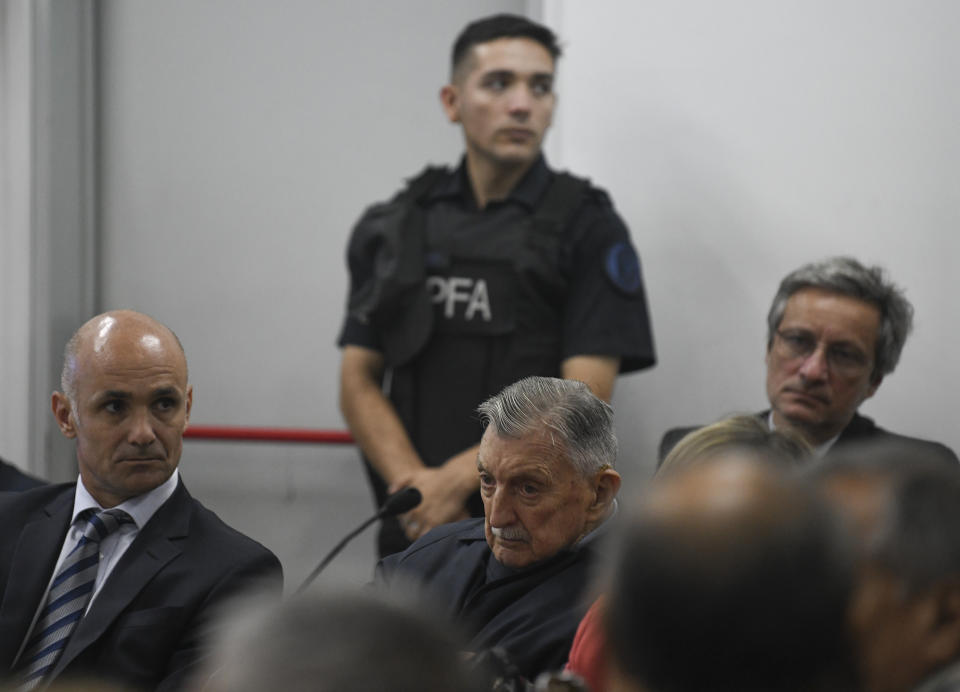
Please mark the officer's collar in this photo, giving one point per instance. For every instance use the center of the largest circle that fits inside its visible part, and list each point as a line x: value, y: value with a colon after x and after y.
x: 527, y: 192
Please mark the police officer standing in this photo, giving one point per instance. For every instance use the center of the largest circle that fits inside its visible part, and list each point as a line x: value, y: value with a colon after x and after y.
x: 470, y: 279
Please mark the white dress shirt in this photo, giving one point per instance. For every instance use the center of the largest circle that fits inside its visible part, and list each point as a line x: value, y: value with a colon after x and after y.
x: 141, y: 508
x: 112, y: 548
x: 819, y: 450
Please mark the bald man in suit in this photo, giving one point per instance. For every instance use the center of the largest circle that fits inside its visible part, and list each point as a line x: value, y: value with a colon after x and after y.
x: 138, y: 613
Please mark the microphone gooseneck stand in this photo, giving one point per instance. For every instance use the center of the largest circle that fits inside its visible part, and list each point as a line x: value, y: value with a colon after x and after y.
x: 398, y: 503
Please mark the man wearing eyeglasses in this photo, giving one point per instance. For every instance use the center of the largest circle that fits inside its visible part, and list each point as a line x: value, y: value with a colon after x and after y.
x: 835, y: 329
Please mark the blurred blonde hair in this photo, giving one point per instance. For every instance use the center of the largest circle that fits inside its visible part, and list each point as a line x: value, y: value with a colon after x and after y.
x: 746, y: 434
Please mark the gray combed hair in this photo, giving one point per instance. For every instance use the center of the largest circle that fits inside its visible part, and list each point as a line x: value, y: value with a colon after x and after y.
x: 564, y: 409
x: 847, y: 276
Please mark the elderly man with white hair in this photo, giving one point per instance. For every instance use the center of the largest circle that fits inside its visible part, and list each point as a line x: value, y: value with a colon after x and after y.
x: 515, y: 579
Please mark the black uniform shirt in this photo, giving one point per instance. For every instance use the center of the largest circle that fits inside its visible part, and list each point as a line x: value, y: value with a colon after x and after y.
x: 497, y: 317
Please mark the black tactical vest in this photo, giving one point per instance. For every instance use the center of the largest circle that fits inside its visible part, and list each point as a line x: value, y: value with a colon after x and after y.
x: 423, y: 260
x: 465, y: 303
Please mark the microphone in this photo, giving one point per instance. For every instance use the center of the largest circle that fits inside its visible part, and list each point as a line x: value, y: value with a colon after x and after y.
x: 401, y: 501
x: 398, y: 503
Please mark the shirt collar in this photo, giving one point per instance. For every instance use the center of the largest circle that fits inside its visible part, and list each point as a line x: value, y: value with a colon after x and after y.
x: 141, y: 508
x: 527, y: 192
x: 820, y: 450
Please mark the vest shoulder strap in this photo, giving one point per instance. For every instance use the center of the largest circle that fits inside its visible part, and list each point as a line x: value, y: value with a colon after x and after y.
x: 420, y: 184
x: 561, y: 201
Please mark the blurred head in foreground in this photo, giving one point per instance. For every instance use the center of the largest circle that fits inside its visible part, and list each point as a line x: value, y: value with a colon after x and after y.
x: 905, y: 511
x: 348, y: 641
x: 733, y: 577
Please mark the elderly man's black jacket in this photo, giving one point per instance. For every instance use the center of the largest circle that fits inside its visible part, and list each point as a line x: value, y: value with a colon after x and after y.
x: 532, y: 613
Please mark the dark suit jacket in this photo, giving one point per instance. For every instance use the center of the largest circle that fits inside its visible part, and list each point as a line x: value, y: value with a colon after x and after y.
x: 532, y: 613
x: 146, y: 626
x: 860, y: 429
x: 12, y: 478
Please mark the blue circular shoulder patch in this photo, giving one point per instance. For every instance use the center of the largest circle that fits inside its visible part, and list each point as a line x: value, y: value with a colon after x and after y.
x: 623, y: 268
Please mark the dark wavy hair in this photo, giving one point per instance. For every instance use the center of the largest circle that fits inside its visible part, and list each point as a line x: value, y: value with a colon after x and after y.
x: 501, y: 26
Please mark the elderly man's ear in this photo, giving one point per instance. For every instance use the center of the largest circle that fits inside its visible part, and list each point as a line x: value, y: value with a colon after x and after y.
x: 605, y: 485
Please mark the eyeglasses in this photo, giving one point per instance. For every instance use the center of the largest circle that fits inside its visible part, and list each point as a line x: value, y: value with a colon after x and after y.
x: 841, y: 359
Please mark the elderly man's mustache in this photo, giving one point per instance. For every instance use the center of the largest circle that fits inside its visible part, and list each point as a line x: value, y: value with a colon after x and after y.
x: 509, y: 533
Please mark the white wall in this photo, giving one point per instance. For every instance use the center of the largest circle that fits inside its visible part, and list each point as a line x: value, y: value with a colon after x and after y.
x: 241, y: 141
x: 743, y: 138
x: 48, y: 200
x: 15, y: 172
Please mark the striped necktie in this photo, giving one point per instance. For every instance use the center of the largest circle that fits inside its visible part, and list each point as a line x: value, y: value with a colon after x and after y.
x: 67, y: 599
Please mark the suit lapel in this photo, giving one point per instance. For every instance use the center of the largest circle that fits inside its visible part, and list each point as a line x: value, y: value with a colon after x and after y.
x: 156, y: 545
x: 35, y: 557
x: 858, y: 429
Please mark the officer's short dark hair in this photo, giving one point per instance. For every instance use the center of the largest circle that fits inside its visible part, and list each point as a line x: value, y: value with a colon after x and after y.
x: 501, y: 26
